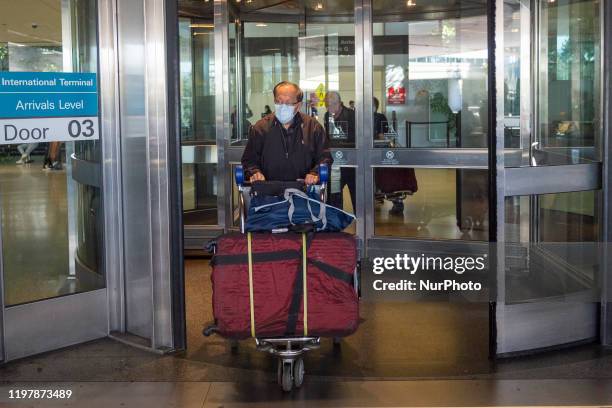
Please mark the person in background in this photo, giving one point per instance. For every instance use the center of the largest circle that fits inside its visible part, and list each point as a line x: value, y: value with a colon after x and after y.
x: 340, y: 129
x: 352, y: 105
x: 339, y: 121
x: 393, y: 183
x: 245, y: 126
x: 266, y: 111
x: 25, y: 150
x: 381, y: 124
x: 288, y: 145
x: 248, y: 112
x: 52, y: 160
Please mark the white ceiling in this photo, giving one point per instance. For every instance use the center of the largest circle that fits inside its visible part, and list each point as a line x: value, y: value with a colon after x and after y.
x: 17, y: 18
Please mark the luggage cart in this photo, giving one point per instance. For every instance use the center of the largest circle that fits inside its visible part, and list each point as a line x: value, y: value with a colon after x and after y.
x: 288, y: 350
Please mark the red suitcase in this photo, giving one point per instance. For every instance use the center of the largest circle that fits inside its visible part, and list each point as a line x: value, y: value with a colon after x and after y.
x: 393, y: 179
x: 277, y: 300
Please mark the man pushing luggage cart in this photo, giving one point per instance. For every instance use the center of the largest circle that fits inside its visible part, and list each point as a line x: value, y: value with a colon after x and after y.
x: 286, y: 145
x: 286, y: 290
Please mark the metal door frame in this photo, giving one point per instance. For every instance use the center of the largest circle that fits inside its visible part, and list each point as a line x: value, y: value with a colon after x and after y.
x: 371, y: 158
x: 526, y: 327
x: 606, y: 281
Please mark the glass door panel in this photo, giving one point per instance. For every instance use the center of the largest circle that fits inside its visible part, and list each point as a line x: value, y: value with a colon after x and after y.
x: 564, y: 44
x: 430, y: 74
x: 51, y: 224
x: 429, y: 106
x: 548, y: 276
x: 568, y: 124
x: 437, y: 203
x: 50, y: 194
x: 197, y: 118
x: 553, y: 250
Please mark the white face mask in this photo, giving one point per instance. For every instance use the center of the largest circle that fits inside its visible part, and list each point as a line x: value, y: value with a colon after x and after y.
x: 284, y: 113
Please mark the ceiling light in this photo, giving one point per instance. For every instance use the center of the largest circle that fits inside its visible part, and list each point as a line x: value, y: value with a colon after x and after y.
x: 261, y: 25
x: 319, y: 5
x: 411, y: 3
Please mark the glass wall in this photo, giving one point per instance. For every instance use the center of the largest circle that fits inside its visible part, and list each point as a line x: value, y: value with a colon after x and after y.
x: 565, y: 126
x: 437, y: 203
x: 568, y: 99
x: 430, y: 92
x: 552, y: 248
x: 51, y: 225
x: 197, y: 112
x: 517, y: 49
x: 430, y: 74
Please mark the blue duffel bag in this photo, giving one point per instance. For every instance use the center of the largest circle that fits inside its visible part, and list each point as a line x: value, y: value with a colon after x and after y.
x: 295, y: 208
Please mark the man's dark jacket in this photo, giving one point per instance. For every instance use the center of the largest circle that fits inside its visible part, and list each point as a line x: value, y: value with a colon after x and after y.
x: 286, y: 154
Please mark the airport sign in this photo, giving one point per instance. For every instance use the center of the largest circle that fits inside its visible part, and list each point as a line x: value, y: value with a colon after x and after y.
x: 39, y: 107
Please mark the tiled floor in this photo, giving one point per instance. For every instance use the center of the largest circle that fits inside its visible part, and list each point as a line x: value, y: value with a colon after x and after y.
x: 34, y: 231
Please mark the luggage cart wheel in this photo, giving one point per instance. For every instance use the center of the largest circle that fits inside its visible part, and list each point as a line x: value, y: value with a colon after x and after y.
x: 279, y: 372
x: 287, y: 377
x: 298, y: 372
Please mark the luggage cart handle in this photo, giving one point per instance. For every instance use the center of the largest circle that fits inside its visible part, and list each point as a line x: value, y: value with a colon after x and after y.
x: 323, y: 180
x: 323, y: 173
x: 239, y: 175
x: 242, y: 188
x: 240, y: 181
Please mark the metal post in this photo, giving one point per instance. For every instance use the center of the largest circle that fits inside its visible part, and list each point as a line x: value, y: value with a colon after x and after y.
x: 365, y: 175
x: 222, y: 115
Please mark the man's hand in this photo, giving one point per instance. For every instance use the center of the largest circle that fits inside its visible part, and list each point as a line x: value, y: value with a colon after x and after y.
x: 311, y: 179
x: 257, y: 177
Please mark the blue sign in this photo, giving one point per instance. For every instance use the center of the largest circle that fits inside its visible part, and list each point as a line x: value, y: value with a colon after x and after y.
x: 48, y: 94
x: 48, y: 106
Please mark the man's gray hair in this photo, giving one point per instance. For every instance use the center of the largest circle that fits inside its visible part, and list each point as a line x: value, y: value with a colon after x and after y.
x: 300, y: 93
x: 333, y: 96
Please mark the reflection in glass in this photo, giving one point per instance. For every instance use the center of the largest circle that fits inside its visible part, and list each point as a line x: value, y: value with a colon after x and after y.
x: 309, y: 45
x: 431, y: 203
x: 516, y: 44
x: 342, y: 188
x: 430, y: 73
x: 52, y: 226
x: 339, y: 121
x: 551, y: 248
x: 197, y: 110
x: 569, y: 81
